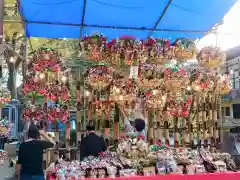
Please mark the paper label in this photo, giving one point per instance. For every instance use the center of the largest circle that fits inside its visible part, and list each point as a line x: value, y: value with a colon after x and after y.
x: 133, y: 72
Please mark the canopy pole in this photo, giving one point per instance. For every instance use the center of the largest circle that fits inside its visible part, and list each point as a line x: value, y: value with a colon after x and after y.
x: 1, y: 40
x: 113, y: 27
x: 83, y: 17
x: 161, y: 17
x: 24, y: 23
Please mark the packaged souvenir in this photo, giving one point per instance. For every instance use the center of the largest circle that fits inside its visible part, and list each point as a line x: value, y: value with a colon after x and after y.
x: 171, y: 165
x: 101, y: 173
x: 179, y: 169
x: 161, y: 167
x: 112, y: 171
x: 128, y: 172
x: 199, y: 169
x: 190, y: 169
x: 221, y: 166
x: 149, y: 171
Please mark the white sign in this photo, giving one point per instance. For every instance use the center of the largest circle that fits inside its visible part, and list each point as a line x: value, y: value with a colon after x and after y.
x: 134, y: 72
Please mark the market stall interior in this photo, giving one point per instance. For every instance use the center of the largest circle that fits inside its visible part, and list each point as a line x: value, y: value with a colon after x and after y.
x: 148, y: 76
x: 181, y: 104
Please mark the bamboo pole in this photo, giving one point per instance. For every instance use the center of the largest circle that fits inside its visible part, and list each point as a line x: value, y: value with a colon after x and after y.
x: 68, y: 131
x: 190, y: 125
x: 176, y: 140
x: 154, y: 126
x: 215, y: 121
x: 159, y: 129
x: 166, y: 126
x: 78, y: 117
x: 198, y: 104
x: 98, y: 119
x: 116, y: 122
x: 150, y: 130
x: 184, y: 133
x: 45, y: 107
x: 210, y: 118
x: 204, y: 119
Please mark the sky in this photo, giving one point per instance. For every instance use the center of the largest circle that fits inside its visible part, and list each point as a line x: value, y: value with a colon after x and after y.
x: 229, y: 31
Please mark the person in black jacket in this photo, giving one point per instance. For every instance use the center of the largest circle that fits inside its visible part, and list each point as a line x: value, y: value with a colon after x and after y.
x: 30, y: 155
x: 92, y: 144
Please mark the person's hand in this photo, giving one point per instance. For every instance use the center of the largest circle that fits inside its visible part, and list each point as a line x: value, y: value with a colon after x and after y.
x: 42, y: 132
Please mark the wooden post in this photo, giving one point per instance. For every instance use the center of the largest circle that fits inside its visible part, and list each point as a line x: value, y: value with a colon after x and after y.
x: 210, y: 118
x: 166, y: 126
x: 48, y: 153
x: 68, y: 131
x: 78, y: 117
x: 154, y: 126
x: 116, y: 122
x: 190, y: 126
x: 176, y: 140
x: 159, y: 128
x: 198, y: 118
x: 150, y: 129
x: 184, y: 133
x: 215, y: 121
x: 204, y: 119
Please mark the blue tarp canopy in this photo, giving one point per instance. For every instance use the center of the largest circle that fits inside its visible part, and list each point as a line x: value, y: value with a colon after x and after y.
x: 113, y: 18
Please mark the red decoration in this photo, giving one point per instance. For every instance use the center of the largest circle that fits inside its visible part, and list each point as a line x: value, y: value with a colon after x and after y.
x: 46, y: 59
x: 42, y: 91
x: 148, y: 94
x: 57, y: 91
x: 31, y: 85
x: 54, y: 98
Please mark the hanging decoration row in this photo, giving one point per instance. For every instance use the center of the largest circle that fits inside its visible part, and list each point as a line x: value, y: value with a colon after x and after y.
x: 127, y: 51
x: 167, y: 87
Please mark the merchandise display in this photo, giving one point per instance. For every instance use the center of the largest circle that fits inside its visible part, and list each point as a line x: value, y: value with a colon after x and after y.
x: 135, y: 157
x: 5, y: 127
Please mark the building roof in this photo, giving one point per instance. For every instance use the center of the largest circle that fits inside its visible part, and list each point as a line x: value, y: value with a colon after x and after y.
x: 233, y: 53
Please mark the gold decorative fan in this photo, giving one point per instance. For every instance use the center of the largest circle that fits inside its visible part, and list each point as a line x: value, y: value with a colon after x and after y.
x: 211, y: 57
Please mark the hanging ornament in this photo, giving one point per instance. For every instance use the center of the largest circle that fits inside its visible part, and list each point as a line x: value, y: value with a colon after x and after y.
x: 99, y: 77
x: 224, y: 85
x: 32, y: 112
x: 123, y: 91
x: 103, y: 108
x: 184, y: 49
x: 57, y: 92
x: 31, y: 84
x: 175, y: 78
x: 155, y: 99
x: 203, y: 84
x: 93, y: 47
x: 149, y: 78
x: 58, y: 113
x: 5, y: 96
x: 161, y: 52
x: 211, y: 57
x: 45, y: 58
x: 179, y: 104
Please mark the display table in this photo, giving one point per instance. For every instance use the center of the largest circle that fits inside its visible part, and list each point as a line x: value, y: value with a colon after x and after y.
x: 215, y: 176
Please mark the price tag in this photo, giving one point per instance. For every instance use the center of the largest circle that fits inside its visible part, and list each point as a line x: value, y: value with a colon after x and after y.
x: 134, y: 72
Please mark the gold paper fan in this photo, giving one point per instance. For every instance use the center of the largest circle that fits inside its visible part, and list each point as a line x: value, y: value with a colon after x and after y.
x: 211, y: 57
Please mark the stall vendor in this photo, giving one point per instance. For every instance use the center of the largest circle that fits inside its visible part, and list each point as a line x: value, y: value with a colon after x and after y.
x: 92, y: 144
x: 135, y: 123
